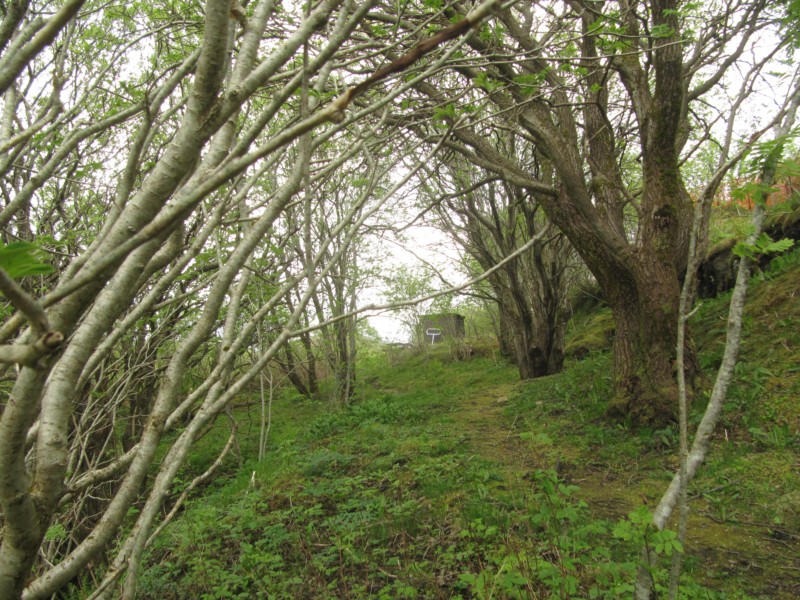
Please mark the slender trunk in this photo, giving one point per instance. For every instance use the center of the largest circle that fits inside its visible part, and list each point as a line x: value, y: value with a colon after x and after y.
x: 311, y: 365
x: 504, y: 335
x: 343, y: 367
x: 290, y: 368
x: 690, y: 460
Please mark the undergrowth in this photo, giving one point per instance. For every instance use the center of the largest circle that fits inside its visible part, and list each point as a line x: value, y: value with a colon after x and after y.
x: 449, y: 479
x: 384, y: 502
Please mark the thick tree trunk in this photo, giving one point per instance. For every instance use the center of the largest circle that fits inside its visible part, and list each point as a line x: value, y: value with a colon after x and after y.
x: 644, y: 351
x: 645, y: 310
x: 535, y: 340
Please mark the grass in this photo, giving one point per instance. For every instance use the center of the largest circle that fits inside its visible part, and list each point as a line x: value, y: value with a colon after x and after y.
x: 452, y: 479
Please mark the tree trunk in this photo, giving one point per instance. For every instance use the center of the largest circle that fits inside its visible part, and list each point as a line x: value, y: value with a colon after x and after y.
x: 289, y: 366
x: 344, y: 367
x: 504, y: 338
x: 535, y: 340
x: 644, y: 352
x: 311, y: 365
x: 645, y: 310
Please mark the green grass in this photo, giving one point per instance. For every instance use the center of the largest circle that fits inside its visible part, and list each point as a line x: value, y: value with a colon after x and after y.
x: 452, y: 479
x: 384, y: 499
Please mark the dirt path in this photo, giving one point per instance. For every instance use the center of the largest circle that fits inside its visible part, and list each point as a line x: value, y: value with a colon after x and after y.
x: 488, y: 432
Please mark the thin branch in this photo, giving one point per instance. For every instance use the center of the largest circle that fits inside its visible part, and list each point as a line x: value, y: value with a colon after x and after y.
x: 24, y: 302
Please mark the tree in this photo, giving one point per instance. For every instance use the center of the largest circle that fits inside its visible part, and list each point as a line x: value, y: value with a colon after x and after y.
x: 155, y: 152
x: 490, y: 220
x: 403, y: 285
x: 352, y: 191
x: 605, y: 91
x: 150, y: 151
x: 768, y: 158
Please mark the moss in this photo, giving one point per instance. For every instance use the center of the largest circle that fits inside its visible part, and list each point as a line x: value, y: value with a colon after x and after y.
x: 589, y: 333
x: 787, y: 510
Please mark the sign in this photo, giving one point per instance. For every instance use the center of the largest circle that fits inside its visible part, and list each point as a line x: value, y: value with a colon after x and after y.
x: 433, y: 333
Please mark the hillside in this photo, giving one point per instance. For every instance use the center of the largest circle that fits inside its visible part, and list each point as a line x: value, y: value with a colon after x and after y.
x: 452, y: 479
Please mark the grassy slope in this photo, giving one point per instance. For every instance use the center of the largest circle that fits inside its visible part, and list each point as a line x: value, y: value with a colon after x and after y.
x: 452, y: 479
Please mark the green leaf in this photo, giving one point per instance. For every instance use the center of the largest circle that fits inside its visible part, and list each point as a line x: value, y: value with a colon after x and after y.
x: 482, y: 80
x: 623, y: 531
x: 55, y: 532
x: 445, y: 112
x: 778, y: 246
x: 641, y: 515
x: 20, y: 259
x: 752, y: 190
x: 763, y: 245
x: 467, y: 578
x: 529, y: 83
x: 662, y: 31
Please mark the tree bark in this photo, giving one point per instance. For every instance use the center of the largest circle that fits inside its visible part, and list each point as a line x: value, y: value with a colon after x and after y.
x: 536, y: 337
x: 644, y: 345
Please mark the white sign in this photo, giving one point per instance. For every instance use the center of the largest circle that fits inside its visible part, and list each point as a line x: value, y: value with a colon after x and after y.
x: 433, y: 333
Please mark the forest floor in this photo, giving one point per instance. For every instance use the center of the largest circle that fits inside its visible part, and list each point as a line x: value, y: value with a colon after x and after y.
x: 452, y: 479
x: 733, y: 542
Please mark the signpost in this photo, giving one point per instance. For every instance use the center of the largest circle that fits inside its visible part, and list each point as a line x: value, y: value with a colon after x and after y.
x: 433, y: 333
